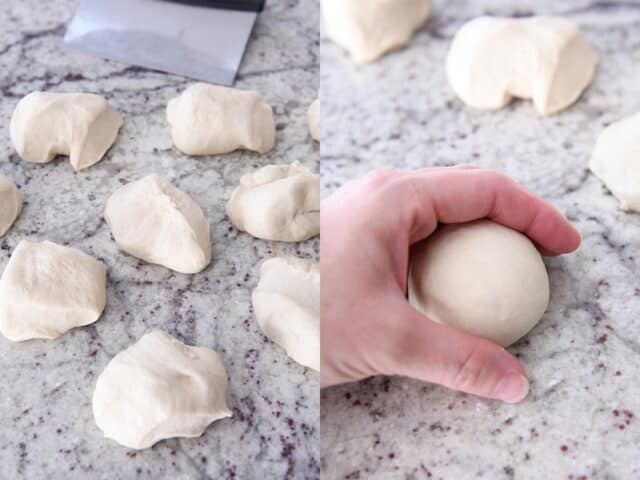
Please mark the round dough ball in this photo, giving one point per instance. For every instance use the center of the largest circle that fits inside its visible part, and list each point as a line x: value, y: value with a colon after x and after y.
x: 10, y: 204
x: 482, y: 278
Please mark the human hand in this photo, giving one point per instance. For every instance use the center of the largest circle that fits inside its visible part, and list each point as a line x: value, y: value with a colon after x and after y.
x: 367, y: 325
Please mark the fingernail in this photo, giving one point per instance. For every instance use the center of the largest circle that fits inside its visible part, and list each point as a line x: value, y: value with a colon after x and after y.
x: 512, y: 388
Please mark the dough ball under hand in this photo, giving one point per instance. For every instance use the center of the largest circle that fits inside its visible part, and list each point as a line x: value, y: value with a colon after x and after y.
x: 160, y: 388
x: 208, y: 120
x: 80, y: 125
x: 10, y: 204
x: 277, y: 202
x: 154, y: 221
x: 616, y: 161
x: 370, y: 28
x: 494, y: 59
x: 48, y: 289
x: 287, y: 305
x: 480, y: 277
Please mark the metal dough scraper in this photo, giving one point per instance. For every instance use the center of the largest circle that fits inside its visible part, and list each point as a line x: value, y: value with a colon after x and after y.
x: 203, y: 39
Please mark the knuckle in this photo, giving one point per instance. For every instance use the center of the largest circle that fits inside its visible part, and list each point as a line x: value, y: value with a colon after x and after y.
x: 467, y: 374
x: 376, y: 178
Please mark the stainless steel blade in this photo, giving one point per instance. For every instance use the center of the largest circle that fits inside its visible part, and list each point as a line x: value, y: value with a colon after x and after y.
x: 200, y: 42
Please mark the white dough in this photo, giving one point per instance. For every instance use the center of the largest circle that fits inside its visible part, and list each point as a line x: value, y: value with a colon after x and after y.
x: 48, y: 289
x: 616, y: 160
x: 209, y: 119
x: 80, y: 125
x: 154, y: 221
x: 482, y: 278
x: 287, y: 305
x: 370, y: 28
x: 160, y: 388
x: 313, y: 120
x: 10, y: 204
x: 277, y: 202
x: 493, y: 59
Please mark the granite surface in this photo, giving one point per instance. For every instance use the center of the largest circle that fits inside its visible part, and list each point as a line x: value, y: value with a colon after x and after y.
x: 580, y: 419
x: 46, y: 424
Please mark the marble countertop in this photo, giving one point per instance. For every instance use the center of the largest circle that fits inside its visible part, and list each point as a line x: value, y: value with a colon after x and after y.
x: 46, y: 424
x: 580, y: 419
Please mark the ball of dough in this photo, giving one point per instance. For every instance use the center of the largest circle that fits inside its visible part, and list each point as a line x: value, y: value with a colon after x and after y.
x: 48, y: 289
x: 160, y: 388
x: 154, y: 221
x: 277, y: 202
x: 208, y: 119
x: 287, y: 305
x: 492, y: 60
x: 10, y: 204
x: 482, y: 278
x: 80, y: 125
x: 616, y: 160
x: 370, y: 28
x: 313, y: 120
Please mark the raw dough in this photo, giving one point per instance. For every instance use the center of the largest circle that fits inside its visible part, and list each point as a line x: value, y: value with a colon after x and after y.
x: 313, y: 119
x: 160, y: 388
x: 208, y: 119
x: 81, y: 125
x: 287, y: 305
x: 370, y: 28
x: 277, y: 202
x: 480, y: 277
x: 10, y: 204
x: 494, y: 59
x: 48, y: 289
x: 616, y: 160
x: 154, y: 221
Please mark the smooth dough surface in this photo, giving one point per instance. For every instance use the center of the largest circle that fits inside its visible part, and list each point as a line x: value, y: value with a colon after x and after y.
x: 48, y: 289
x: 209, y: 119
x: 482, y: 278
x: 494, y: 59
x: 313, y: 120
x: 154, y: 221
x: 368, y: 29
x: 277, y: 202
x: 80, y: 125
x: 287, y: 306
x: 616, y: 161
x: 10, y: 204
x: 160, y: 388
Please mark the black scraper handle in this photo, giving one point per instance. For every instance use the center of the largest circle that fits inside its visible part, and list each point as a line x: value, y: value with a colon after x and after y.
x: 244, y: 5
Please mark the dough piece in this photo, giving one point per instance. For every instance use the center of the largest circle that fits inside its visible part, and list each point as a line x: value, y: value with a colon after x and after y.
x: 287, y: 305
x: 10, y: 204
x: 208, y: 119
x: 616, y: 160
x: 160, y: 388
x: 80, y: 125
x: 313, y: 119
x: 482, y: 278
x: 48, y: 289
x: 370, y: 28
x: 154, y: 221
x: 277, y: 202
x: 494, y: 59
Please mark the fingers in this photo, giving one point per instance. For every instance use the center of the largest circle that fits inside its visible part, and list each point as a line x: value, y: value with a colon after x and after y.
x: 462, y: 195
x: 440, y: 354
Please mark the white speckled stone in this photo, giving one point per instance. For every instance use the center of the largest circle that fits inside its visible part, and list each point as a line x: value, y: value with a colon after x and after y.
x: 583, y: 358
x: 46, y: 425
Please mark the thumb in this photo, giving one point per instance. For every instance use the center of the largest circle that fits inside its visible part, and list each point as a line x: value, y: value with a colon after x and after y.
x: 437, y: 353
